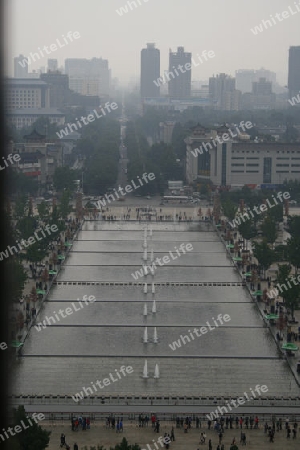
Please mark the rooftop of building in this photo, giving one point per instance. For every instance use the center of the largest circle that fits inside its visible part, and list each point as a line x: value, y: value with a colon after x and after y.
x: 35, y: 112
x: 24, y: 82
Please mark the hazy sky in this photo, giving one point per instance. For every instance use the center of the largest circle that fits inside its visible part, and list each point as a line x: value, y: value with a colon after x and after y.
x: 218, y: 25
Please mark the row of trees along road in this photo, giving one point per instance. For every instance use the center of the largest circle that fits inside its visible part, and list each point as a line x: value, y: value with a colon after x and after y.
x: 25, y: 223
x: 267, y: 225
x: 159, y: 159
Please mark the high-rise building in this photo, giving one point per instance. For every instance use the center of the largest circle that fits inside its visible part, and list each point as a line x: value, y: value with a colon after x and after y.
x: 262, y: 87
x: 58, y: 84
x: 294, y: 71
x: 150, y: 71
x: 179, y: 79
x: 52, y: 65
x: 245, y: 78
x: 223, y: 93
x: 88, y: 76
x: 261, y: 96
x: 20, y: 67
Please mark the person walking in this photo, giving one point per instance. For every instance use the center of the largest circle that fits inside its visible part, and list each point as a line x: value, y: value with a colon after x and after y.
x: 220, y: 437
x: 75, y: 446
x: 209, y: 445
x: 172, y: 434
x: 62, y: 440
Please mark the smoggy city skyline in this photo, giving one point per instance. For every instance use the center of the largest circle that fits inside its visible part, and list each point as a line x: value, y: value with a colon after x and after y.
x: 109, y: 32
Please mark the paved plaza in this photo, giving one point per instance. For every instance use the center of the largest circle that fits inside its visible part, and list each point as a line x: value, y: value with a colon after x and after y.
x: 98, y: 434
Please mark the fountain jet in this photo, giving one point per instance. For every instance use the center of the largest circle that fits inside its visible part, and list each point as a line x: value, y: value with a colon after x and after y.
x: 154, y: 307
x: 155, y: 337
x: 145, y: 313
x: 145, y: 335
x: 145, y: 370
x: 145, y: 255
x: 145, y: 288
x: 156, y: 371
x: 153, y: 288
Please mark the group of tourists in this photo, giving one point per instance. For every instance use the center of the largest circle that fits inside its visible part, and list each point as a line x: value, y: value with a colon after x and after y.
x: 276, y: 426
x: 114, y: 424
x: 83, y: 423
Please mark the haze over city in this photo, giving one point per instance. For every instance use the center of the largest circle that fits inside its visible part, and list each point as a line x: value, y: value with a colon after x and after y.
x: 223, y: 27
x: 151, y: 185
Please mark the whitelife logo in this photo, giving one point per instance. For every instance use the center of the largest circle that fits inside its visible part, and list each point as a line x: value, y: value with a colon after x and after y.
x: 106, y: 382
x: 128, y: 188
x: 132, y: 5
x: 86, y: 120
x: 221, y: 139
x: 294, y: 100
x: 205, y: 55
x: 273, y: 293
x: 259, y: 209
x: 279, y: 17
x: 53, y: 47
x: 68, y: 311
x: 203, y: 330
x: 27, y: 242
x: 166, y: 260
x: 22, y: 426
x: 11, y: 158
x: 221, y: 410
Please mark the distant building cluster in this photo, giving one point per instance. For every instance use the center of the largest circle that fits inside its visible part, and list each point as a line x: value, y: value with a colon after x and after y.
x: 249, y: 90
x: 28, y: 96
x: 239, y: 161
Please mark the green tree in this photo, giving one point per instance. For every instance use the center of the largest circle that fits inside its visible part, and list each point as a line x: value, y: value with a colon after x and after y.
x: 294, y: 226
x: 125, y: 446
x: 20, y: 183
x: 64, y: 207
x: 268, y: 229
x: 33, y: 437
x: 229, y: 209
x: 43, y: 210
x: 64, y: 178
x: 264, y: 254
x: 293, y: 251
x: 276, y: 213
x: 247, y: 231
x: 21, y: 206
x: 16, y: 278
x: 37, y: 251
x: 26, y: 227
x: 291, y: 295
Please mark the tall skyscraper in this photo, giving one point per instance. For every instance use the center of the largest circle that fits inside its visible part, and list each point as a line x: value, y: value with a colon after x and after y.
x: 20, y: 67
x: 150, y: 71
x: 180, y: 79
x: 88, y: 76
x: 294, y: 71
x: 222, y: 92
x: 52, y: 65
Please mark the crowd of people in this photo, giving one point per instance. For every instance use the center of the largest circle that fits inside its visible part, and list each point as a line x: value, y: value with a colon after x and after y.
x: 83, y: 423
x: 218, y: 426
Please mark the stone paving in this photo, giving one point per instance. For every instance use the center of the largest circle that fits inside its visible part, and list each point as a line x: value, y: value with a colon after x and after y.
x: 99, y: 434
